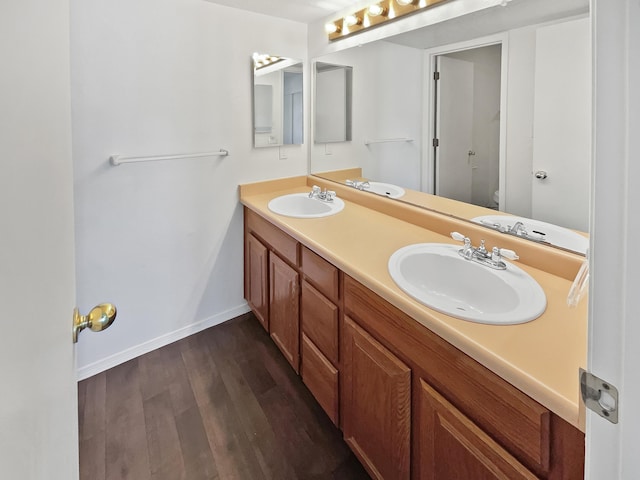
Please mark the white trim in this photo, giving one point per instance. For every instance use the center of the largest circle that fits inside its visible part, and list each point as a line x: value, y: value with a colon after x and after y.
x: 158, y: 342
x: 614, y: 335
x: 427, y: 180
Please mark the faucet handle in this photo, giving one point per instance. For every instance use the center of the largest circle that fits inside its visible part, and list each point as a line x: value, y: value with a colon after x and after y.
x: 510, y: 254
x: 458, y: 236
x: 315, y: 191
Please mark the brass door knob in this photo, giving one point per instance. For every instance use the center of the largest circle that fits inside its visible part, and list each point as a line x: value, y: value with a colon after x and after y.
x: 99, y: 318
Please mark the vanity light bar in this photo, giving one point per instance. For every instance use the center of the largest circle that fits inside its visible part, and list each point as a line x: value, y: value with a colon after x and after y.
x: 374, y: 15
x: 264, y: 60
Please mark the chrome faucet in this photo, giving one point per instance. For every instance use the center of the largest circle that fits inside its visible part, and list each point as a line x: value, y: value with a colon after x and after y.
x: 481, y: 255
x: 324, y: 195
x: 360, y: 185
x: 518, y: 229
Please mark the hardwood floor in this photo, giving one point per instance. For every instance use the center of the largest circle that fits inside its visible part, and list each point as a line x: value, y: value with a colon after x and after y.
x: 221, y: 404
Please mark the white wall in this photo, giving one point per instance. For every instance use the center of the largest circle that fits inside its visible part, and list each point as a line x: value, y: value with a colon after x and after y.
x: 163, y: 240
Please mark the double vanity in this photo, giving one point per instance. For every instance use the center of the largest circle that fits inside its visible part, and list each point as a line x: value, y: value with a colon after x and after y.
x: 437, y: 357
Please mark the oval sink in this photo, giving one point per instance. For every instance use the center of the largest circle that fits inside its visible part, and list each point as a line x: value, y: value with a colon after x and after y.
x: 385, y: 189
x: 299, y: 205
x: 544, y: 231
x: 436, y: 276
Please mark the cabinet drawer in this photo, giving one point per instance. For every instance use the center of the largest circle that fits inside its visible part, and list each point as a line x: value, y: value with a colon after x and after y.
x: 516, y: 421
x: 319, y: 318
x: 320, y: 377
x: 320, y: 273
x: 286, y: 246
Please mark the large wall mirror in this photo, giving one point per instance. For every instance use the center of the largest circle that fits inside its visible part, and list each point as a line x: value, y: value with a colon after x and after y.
x: 489, y: 121
x: 278, y: 116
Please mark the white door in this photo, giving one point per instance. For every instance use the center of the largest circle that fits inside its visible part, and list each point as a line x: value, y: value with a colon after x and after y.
x: 38, y: 405
x: 454, y: 128
x: 562, y: 124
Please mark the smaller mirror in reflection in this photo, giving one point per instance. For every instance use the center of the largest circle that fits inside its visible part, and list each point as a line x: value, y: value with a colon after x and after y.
x: 278, y: 115
x: 333, y: 92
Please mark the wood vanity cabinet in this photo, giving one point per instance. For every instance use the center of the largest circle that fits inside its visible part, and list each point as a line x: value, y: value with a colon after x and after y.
x: 271, y: 283
x: 409, y: 403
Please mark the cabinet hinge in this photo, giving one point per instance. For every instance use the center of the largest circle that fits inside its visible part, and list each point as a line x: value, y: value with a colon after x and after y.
x: 599, y: 396
x: 436, y: 75
x: 436, y: 142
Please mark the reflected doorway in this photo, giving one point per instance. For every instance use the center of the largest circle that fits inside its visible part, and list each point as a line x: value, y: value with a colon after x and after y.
x: 467, y: 125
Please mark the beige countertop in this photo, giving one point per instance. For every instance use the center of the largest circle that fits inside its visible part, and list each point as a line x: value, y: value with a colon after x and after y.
x: 542, y: 358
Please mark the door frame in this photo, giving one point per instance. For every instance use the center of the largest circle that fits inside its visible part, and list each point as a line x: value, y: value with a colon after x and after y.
x: 614, y: 335
x: 428, y: 161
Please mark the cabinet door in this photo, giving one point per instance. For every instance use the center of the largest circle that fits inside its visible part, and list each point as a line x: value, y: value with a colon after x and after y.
x: 256, y: 282
x: 452, y: 446
x: 376, y: 404
x: 283, y: 309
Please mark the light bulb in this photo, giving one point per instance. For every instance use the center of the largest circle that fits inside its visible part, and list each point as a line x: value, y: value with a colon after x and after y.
x: 351, y: 20
x: 376, y: 10
x: 331, y: 28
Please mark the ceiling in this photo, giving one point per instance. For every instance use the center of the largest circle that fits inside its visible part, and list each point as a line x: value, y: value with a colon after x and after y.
x: 304, y: 11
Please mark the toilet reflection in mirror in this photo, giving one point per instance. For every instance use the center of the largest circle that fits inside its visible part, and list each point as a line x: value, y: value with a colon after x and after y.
x: 522, y: 104
x: 278, y: 115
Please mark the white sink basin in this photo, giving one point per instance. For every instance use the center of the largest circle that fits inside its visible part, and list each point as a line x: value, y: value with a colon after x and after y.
x: 436, y: 276
x: 299, y: 205
x: 547, y: 232
x: 385, y: 189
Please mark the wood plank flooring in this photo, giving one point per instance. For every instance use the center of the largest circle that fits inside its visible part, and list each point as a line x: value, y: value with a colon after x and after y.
x: 221, y: 404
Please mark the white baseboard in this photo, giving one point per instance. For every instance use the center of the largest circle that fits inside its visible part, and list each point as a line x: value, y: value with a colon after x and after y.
x: 146, y: 347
